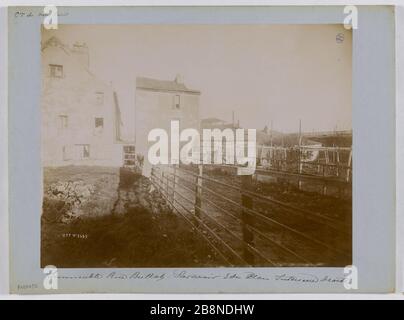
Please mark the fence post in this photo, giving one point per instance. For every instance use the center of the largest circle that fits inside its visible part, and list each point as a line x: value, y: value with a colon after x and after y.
x: 162, y: 181
x: 198, y: 192
x: 152, y: 176
x: 167, y: 175
x: 262, y: 155
x: 159, y: 179
x: 300, y: 167
x: 247, y: 219
x: 175, y: 182
x: 337, y: 163
x: 348, y: 172
x: 324, y: 189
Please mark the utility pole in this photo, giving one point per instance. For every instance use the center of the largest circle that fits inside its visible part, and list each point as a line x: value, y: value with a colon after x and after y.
x: 300, y: 132
x: 271, y: 132
x: 300, y: 150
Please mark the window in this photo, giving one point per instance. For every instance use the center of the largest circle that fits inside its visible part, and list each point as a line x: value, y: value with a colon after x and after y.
x: 63, y: 121
x: 129, y: 156
x: 99, y: 126
x: 99, y: 123
x: 84, y: 151
x: 99, y: 98
x: 66, y: 152
x: 56, y: 70
x: 129, y: 149
x: 176, y: 102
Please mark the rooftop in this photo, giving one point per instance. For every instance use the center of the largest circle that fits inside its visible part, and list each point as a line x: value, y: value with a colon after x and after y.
x: 212, y: 120
x: 163, y: 85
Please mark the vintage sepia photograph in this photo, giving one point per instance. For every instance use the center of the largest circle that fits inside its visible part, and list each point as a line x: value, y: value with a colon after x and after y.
x: 196, y: 146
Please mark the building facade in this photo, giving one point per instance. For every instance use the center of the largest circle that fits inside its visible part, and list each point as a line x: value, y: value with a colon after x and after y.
x: 158, y: 102
x: 80, y: 113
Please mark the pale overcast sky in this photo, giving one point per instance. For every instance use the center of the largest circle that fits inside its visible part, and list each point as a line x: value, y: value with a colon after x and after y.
x: 281, y: 73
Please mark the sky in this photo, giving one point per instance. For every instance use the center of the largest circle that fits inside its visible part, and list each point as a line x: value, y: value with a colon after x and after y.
x: 264, y: 73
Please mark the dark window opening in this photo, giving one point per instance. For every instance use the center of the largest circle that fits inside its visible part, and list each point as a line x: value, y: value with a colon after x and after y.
x: 56, y: 70
x: 129, y: 149
x: 176, y: 101
x: 86, y: 151
x: 99, y: 123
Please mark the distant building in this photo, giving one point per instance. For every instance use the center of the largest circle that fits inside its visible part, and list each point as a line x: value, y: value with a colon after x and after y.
x: 215, y: 123
x: 157, y: 103
x: 80, y: 113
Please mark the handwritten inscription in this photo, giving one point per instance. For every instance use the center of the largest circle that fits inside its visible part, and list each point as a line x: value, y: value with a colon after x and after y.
x: 307, y: 278
x: 30, y: 14
x: 304, y: 278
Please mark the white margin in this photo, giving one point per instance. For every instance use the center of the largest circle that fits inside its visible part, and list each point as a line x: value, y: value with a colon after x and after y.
x: 4, y: 246
x: 400, y: 148
x: 4, y: 266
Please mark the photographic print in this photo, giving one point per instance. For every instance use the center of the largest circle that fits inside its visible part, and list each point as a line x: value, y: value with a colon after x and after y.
x: 196, y: 146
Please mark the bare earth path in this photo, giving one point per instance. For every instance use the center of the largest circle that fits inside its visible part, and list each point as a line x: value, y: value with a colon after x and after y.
x: 140, y: 231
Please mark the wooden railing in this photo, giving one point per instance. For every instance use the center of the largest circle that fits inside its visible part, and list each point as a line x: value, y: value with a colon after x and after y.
x: 232, y: 224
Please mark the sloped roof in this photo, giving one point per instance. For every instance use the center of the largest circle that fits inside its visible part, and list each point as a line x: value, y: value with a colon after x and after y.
x: 212, y: 120
x: 162, y: 85
x: 55, y: 42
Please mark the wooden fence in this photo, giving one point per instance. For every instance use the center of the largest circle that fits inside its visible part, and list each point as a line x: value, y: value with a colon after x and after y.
x: 315, y: 160
x: 192, y: 194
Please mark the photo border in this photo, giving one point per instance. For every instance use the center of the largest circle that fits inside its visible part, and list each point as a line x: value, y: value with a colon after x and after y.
x: 373, y: 118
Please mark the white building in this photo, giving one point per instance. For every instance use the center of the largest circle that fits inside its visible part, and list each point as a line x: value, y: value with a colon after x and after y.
x: 80, y: 114
x: 158, y: 102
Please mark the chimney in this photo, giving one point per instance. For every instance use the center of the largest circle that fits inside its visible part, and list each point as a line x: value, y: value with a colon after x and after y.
x: 80, y: 50
x: 179, y: 79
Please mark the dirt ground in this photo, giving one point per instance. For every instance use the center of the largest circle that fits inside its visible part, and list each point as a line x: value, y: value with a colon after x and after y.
x: 138, y: 231
x: 109, y: 217
x: 332, y: 245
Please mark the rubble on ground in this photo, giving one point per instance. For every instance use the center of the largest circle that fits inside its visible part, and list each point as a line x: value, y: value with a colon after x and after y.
x: 141, y: 194
x: 74, y: 194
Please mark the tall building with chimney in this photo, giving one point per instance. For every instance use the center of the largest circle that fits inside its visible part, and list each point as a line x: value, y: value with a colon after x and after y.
x: 80, y: 113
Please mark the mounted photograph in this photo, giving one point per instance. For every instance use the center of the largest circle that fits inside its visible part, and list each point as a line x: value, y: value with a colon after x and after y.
x: 196, y: 146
